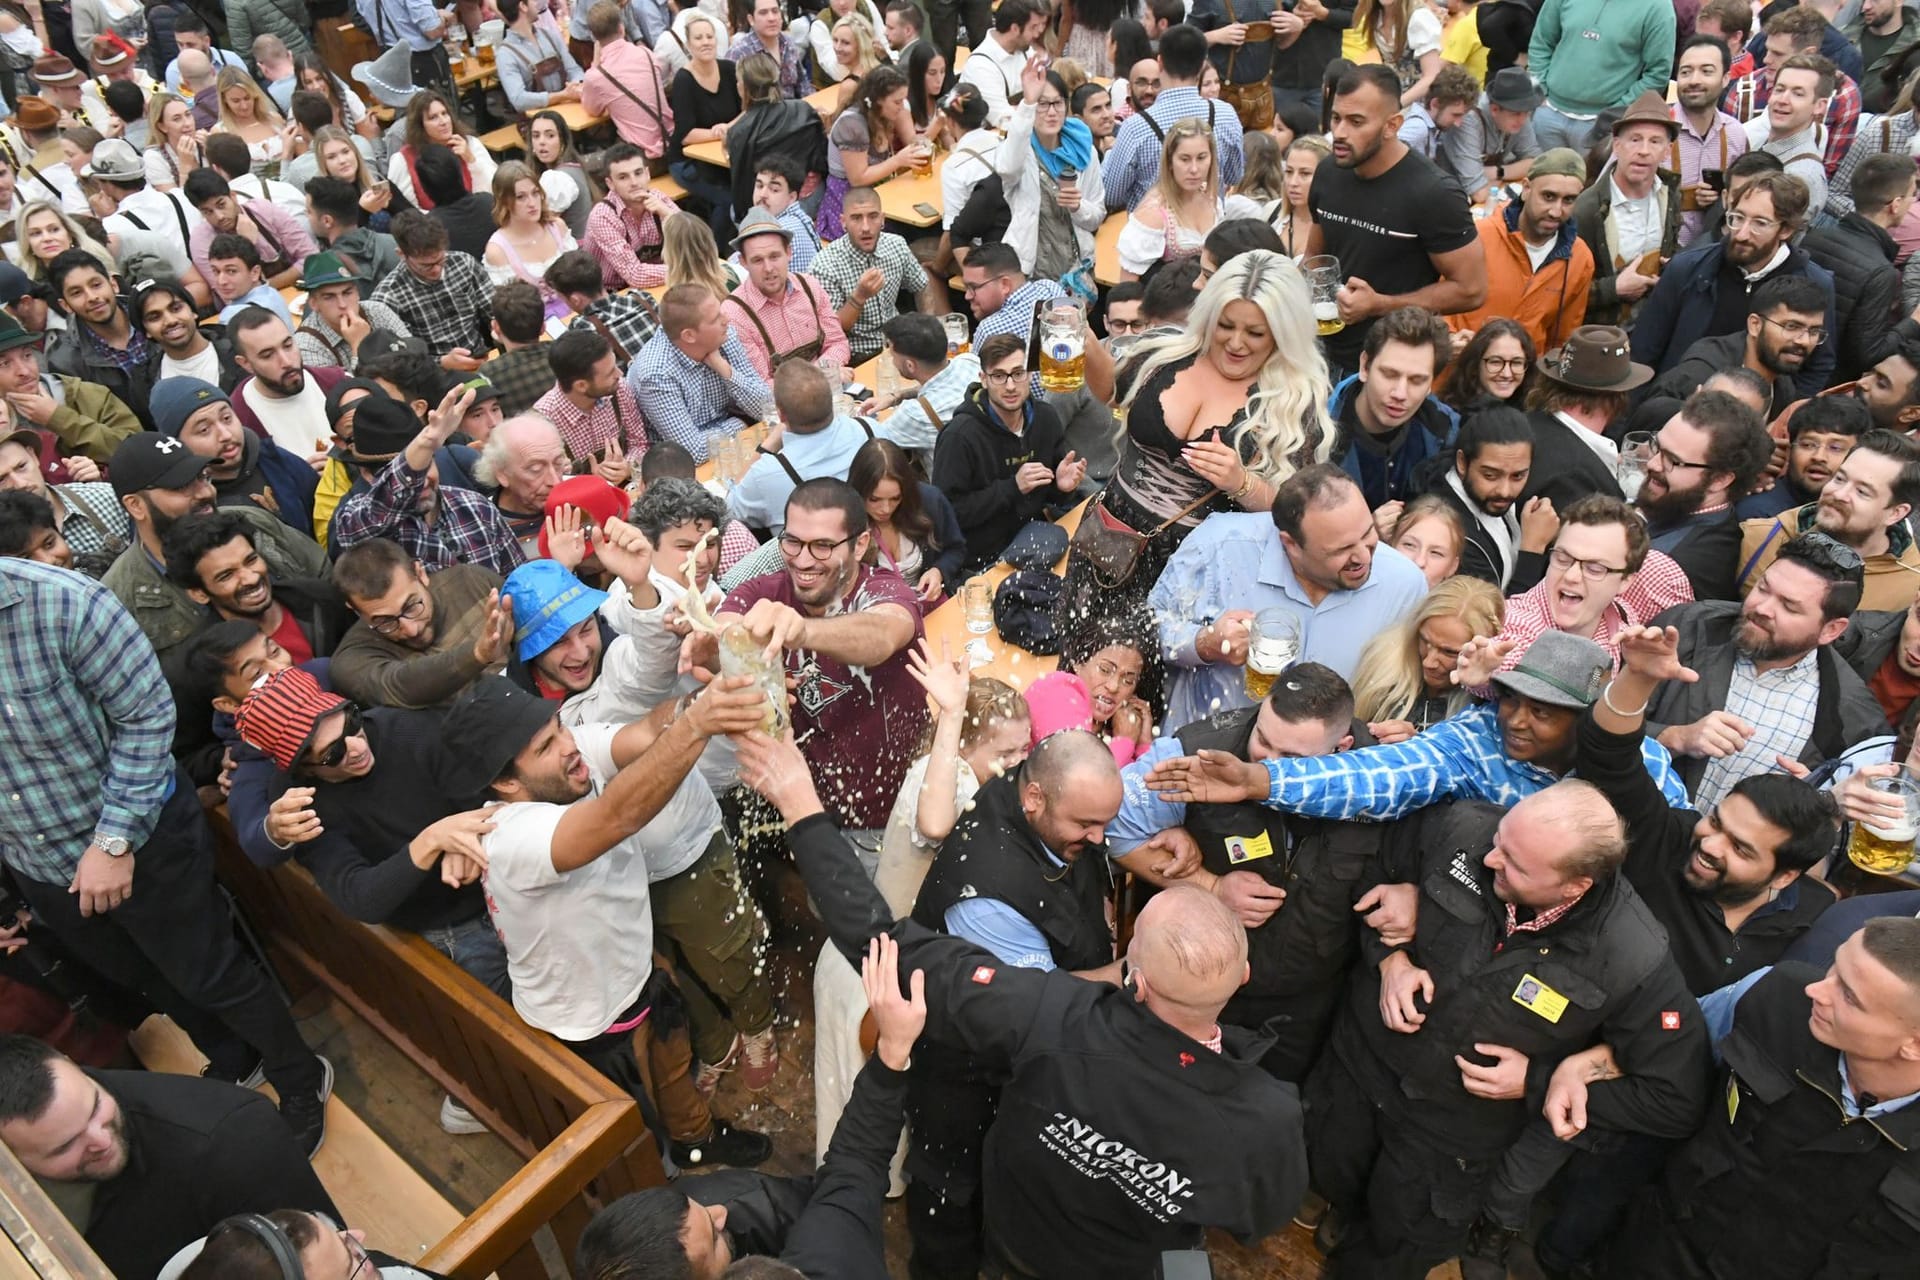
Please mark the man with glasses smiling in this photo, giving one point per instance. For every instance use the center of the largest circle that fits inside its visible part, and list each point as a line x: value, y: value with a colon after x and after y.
x: 1864, y: 504
x: 1705, y: 290
x: 1704, y: 459
x: 422, y: 640
x: 1783, y: 328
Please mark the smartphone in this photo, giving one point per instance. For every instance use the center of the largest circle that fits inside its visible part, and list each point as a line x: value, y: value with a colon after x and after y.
x: 1715, y: 178
x: 1184, y: 1264
x: 926, y: 210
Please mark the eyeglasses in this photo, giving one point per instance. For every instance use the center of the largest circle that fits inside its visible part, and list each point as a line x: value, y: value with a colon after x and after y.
x: 1116, y: 325
x: 1593, y: 569
x: 1794, y: 329
x: 1761, y: 226
x: 412, y: 611
x: 819, y: 548
x: 1671, y: 461
x: 970, y: 289
x: 1821, y: 546
x: 1004, y: 377
x: 1837, y: 447
x: 330, y: 758
x: 1050, y: 104
x: 1127, y: 680
x: 1503, y: 364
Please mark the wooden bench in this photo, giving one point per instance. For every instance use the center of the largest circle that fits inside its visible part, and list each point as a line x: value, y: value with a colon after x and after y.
x: 39, y: 1243
x: 583, y: 1139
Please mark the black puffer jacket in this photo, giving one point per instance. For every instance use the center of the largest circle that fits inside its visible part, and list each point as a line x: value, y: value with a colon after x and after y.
x: 1866, y: 292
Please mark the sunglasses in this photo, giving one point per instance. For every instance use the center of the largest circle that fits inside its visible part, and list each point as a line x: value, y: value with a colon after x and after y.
x: 333, y: 755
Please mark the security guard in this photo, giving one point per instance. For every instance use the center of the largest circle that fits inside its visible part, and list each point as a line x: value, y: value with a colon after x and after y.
x: 1529, y: 945
x: 1292, y: 881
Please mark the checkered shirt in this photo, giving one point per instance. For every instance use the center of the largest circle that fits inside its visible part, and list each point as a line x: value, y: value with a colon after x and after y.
x: 520, y: 377
x: 450, y: 312
x: 1780, y: 705
x: 629, y: 317
x: 322, y: 347
x: 466, y: 529
x: 615, y: 417
x: 683, y: 399
x: 108, y: 533
x: 794, y: 82
x: 839, y: 267
x: 1843, y: 112
x: 1660, y: 584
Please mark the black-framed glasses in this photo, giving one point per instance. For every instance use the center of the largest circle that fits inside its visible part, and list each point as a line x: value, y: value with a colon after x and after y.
x: 412, y: 611
x: 357, y: 1252
x: 1004, y: 377
x: 819, y: 548
x: 970, y: 289
x: 1795, y: 329
x: 330, y: 758
x: 1594, y: 569
x: 1504, y: 364
x: 1049, y: 104
x: 1671, y: 461
x: 1116, y: 325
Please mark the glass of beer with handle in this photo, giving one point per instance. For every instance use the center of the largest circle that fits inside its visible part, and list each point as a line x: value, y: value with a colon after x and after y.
x: 1887, y: 850
x: 1273, y: 642
x: 1063, y: 349
x: 959, y: 333
x: 1322, y: 271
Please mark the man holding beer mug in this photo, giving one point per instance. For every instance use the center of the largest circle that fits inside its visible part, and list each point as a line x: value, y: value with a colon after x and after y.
x: 1315, y: 562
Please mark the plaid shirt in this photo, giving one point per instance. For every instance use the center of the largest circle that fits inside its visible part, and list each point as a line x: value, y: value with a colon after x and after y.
x: 86, y: 722
x: 107, y: 532
x: 466, y: 528
x: 840, y: 265
x: 521, y: 377
x: 1879, y: 135
x: 1540, y: 919
x: 1780, y: 705
x: 1462, y: 757
x: 793, y: 53
x: 613, y: 233
x: 1660, y: 584
x: 1843, y: 110
x: 630, y: 320
x: 614, y: 417
x: 447, y: 313
x: 322, y: 347
x: 128, y: 358
x: 683, y: 399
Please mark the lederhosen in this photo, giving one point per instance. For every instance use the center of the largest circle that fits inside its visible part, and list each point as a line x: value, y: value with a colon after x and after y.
x: 1686, y: 200
x: 620, y: 352
x: 809, y: 350
x: 545, y: 76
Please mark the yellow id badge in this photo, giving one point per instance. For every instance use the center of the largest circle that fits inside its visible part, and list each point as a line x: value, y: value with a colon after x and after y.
x: 1733, y: 1098
x: 1249, y: 848
x: 1540, y: 998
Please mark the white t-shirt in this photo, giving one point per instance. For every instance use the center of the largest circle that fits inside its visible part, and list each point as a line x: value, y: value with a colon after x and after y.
x: 150, y: 221
x: 1537, y: 253
x: 205, y: 366
x: 579, y: 945
x: 295, y: 423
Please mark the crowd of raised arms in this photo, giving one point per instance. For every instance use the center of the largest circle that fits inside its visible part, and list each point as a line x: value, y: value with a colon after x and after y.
x: 1321, y: 607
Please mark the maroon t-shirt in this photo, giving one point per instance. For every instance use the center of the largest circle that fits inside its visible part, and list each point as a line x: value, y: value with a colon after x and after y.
x: 857, y: 727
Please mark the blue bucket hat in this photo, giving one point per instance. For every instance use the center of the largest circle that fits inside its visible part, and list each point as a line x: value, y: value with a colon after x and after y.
x: 547, y: 602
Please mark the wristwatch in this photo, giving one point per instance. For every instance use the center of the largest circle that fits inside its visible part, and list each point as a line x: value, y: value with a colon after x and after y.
x: 112, y: 846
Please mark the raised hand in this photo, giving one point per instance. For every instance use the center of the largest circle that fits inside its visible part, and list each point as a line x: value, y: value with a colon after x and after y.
x: 566, y: 541
x: 291, y: 819
x: 899, y: 1018
x: 1654, y: 652
x: 623, y: 551
x: 1212, y: 777
x: 1479, y: 658
x: 490, y: 647
x: 945, y: 679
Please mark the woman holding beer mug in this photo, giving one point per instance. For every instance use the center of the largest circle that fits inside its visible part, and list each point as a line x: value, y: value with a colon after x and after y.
x: 1217, y: 415
x: 1404, y: 683
x: 871, y: 141
x: 1051, y: 177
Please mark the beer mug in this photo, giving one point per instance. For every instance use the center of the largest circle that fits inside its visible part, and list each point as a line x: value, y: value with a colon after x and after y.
x: 725, y: 453
x: 1635, y: 451
x: 886, y: 374
x: 977, y: 603
x: 1063, y: 350
x: 1273, y: 642
x: 1324, y: 280
x: 959, y: 333
x: 922, y: 156
x: 742, y: 655
x: 1887, y: 851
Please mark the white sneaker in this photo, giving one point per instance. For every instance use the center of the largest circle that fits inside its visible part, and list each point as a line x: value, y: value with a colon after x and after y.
x: 455, y: 1118
x: 707, y: 1077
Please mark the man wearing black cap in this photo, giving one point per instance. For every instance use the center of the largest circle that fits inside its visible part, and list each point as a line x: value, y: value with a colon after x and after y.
x: 245, y: 470
x: 404, y: 499
x: 159, y: 480
x: 27, y: 299
x: 84, y: 416
x: 1495, y: 143
x: 567, y: 882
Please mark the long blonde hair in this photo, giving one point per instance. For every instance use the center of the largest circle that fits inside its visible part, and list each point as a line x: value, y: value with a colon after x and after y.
x: 866, y: 53
x: 1286, y: 414
x: 37, y: 270
x: 1387, y: 683
x: 1168, y: 186
x: 328, y: 134
x: 264, y: 112
x: 690, y: 254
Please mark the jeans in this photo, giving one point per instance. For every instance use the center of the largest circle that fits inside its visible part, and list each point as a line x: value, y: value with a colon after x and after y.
x: 174, y: 938
x: 1554, y: 129
x: 1309, y: 98
x: 475, y: 946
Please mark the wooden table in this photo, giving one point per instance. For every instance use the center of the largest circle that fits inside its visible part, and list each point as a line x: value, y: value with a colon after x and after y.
x: 898, y: 194
x: 1016, y: 666
x: 1106, y: 250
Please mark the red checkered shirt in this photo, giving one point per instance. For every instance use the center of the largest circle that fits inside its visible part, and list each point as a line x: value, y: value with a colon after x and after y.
x: 1659, y: 585
x: 1541, y: 919
x: 590, y: 433
x: 1843, y: 110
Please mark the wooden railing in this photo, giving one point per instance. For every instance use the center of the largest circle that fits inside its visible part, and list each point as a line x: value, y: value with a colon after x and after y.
x: 43, y: 1244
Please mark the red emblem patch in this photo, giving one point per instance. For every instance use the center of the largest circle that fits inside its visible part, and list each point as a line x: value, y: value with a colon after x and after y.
x: 1186, y: 1059
x: 1669, y: 1019
x: 983, y: 975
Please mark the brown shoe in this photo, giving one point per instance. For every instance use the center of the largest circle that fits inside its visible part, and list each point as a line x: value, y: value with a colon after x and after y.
x: 762, y: 1060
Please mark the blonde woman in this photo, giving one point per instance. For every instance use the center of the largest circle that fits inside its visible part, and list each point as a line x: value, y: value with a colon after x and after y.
x: 857, y: 53
x: 175, y: 150
x: 1294, y: 218
x: 247, y: 113
x: 43, y: 231
x: 530, y: 236
x: 1404, y: 682
x: 1217, y: 415
x: 1403, y: 34
x: 690, y: 255
x: 1181, y: 208
x: 823, y: 33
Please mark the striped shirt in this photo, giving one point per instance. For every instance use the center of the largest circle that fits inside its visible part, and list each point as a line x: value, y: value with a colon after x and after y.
x: 86, y: 722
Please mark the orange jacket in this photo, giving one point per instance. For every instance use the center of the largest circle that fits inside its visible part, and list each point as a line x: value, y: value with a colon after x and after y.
x: 1549, y: 303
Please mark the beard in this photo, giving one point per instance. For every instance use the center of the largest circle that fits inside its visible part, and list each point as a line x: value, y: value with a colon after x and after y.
x: 1669, y: 508
x: 1755, y: 645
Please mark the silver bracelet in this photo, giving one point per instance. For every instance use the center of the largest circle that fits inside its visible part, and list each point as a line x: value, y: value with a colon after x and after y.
x: 1606, y: 696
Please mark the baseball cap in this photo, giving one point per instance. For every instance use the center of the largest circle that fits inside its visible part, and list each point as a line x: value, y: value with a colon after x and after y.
x: 1559, y: 669
x: 486, y: 729
x: 278, y: 715
x: 146, y: 460
x: 548, y: 601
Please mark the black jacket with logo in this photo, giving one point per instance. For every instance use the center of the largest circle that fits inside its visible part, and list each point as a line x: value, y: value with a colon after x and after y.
x: 974, y: 463
x: 1299, y: 956
x: 1118, y: 1136
x: 1600, y: 972
x: 1781, y: 1182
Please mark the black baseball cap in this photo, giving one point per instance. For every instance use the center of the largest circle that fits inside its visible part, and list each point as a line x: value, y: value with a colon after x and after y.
x: 485, y: 730
x: 146, y: 460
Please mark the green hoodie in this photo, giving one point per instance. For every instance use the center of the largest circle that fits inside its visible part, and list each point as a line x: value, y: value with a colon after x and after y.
x: 1593, y: 54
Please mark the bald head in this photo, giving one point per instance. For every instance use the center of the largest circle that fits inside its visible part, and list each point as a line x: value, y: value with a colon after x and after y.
x: 1060, y: 756
x: 1069, y: 791
x: 196, y: 69
x: 1190, y: 949
x: 526, y: 458
x: 1552, y: 846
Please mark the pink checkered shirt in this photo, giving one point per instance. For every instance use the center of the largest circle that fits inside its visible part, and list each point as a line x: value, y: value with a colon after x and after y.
x: 1659, y: 585
x: 617, y: 417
